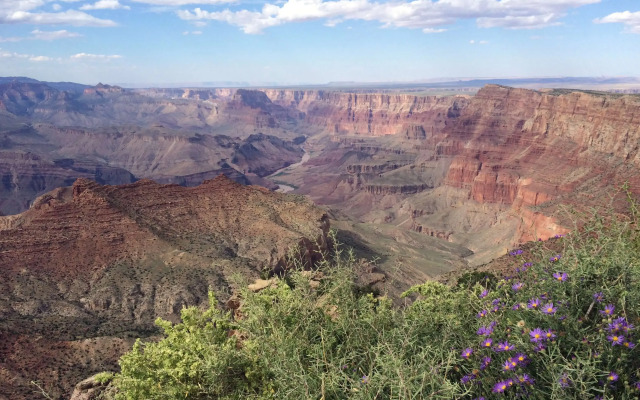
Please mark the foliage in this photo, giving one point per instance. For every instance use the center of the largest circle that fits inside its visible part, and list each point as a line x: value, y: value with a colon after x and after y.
x: 559, y: 327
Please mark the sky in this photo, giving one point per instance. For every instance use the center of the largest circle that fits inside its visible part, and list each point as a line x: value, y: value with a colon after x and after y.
x: 163, y: 42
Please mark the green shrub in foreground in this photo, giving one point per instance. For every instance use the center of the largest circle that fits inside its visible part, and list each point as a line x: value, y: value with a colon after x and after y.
x: 560, y: 327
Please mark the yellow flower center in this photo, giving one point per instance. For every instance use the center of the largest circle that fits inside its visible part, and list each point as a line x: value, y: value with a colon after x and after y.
x: 615, y: 338
x: 537, y: 336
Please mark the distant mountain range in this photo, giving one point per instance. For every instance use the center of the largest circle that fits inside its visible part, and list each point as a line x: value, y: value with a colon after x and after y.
x: 623, y: 83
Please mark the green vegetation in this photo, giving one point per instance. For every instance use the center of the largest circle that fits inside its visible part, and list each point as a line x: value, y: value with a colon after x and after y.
x: 560, y: 326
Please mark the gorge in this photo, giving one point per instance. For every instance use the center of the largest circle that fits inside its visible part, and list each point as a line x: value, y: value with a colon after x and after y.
x: 92, y: 250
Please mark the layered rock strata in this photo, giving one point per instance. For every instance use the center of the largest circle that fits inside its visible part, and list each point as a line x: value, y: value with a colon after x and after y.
x: 101, y: 263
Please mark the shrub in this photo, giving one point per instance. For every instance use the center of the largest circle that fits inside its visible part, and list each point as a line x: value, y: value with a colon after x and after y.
x: 559, y: 327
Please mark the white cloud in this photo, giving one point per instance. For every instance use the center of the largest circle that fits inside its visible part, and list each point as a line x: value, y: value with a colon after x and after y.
x: 39, y: 58
x: 105, y: 5
x: 631, y: 20
x: 431, y: 16
x: 53, y: 35
x: 7, y: 54
x: 175, y: 3
x: 88, y: 56
x: 70, y: 17
x: 56, y: 7
x: 42, y: 35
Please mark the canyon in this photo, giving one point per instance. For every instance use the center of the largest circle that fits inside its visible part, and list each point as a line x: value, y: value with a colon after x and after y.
x: 113, y: 218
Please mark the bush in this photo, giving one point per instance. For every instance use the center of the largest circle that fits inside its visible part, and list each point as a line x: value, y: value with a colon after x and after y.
x: 560, y: 327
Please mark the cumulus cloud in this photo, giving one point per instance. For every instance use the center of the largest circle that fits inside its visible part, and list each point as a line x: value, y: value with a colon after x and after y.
x: 39, y: 58
x: 105, y: 5
x: 42, y: 35
x: 53, y: 35
x: 69, y: 17
x: 27, y: 12
x: 7, y: 54
x: 89, y: 56
x: 175, y: 3
x: 631, y: 20
x: 431, y: 16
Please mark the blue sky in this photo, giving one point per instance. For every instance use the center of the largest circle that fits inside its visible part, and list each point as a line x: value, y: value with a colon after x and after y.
x: 315, y: 41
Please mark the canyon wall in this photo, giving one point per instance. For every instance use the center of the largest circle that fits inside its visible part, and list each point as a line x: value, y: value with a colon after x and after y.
x: 87, y: 267
x: 372, y: 114
x: 514, y: 152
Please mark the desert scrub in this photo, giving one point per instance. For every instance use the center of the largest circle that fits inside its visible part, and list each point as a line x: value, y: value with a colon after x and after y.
x: 560, y: 326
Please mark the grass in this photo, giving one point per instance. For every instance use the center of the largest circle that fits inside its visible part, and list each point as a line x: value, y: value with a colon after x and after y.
x: 557, y: 326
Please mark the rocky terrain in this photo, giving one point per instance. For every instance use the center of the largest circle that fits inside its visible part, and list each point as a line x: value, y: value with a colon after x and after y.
x: 48, y: 138
x: 89, y: 267
x: 486, y: 172
x: 424, y: 185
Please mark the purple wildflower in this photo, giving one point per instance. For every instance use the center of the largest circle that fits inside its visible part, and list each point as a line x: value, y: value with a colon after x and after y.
x: 539, y: 347
x: 466, y: 353
x: 555, y: 258
x: 612, y: 377
x: 564, y: 380
x: 500, y: 387
x: 504, y: 346
x: 508, y: 366
x: 364, y: 379
x: 616, y: 325
x: 482, y: 314
x: 615, y: 339
x: 483, y: 294
x: 516, y: 306
x: 487, y: 342
x: 485, y: 362
x: 517, y: 286
x: 598, y: 297
x: 521, y: 358
x: 608, y: 310
x: 549, y: 309
x: 533, y: 303
x: 516, y: 252
x: 495, y: 309
x: 467, y: 378
x: 485, y: 330
x: 548, y: 334
x: 628, y: 344
x: 525, y: 379
x: 537, y: 335
x: 561, y: 276
x: 527, y: 265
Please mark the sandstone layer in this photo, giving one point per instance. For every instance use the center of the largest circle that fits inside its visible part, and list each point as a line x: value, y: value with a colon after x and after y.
x: 98, y: 264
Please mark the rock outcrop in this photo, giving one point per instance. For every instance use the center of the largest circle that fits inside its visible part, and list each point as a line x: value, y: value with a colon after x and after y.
x: 93, y: 261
